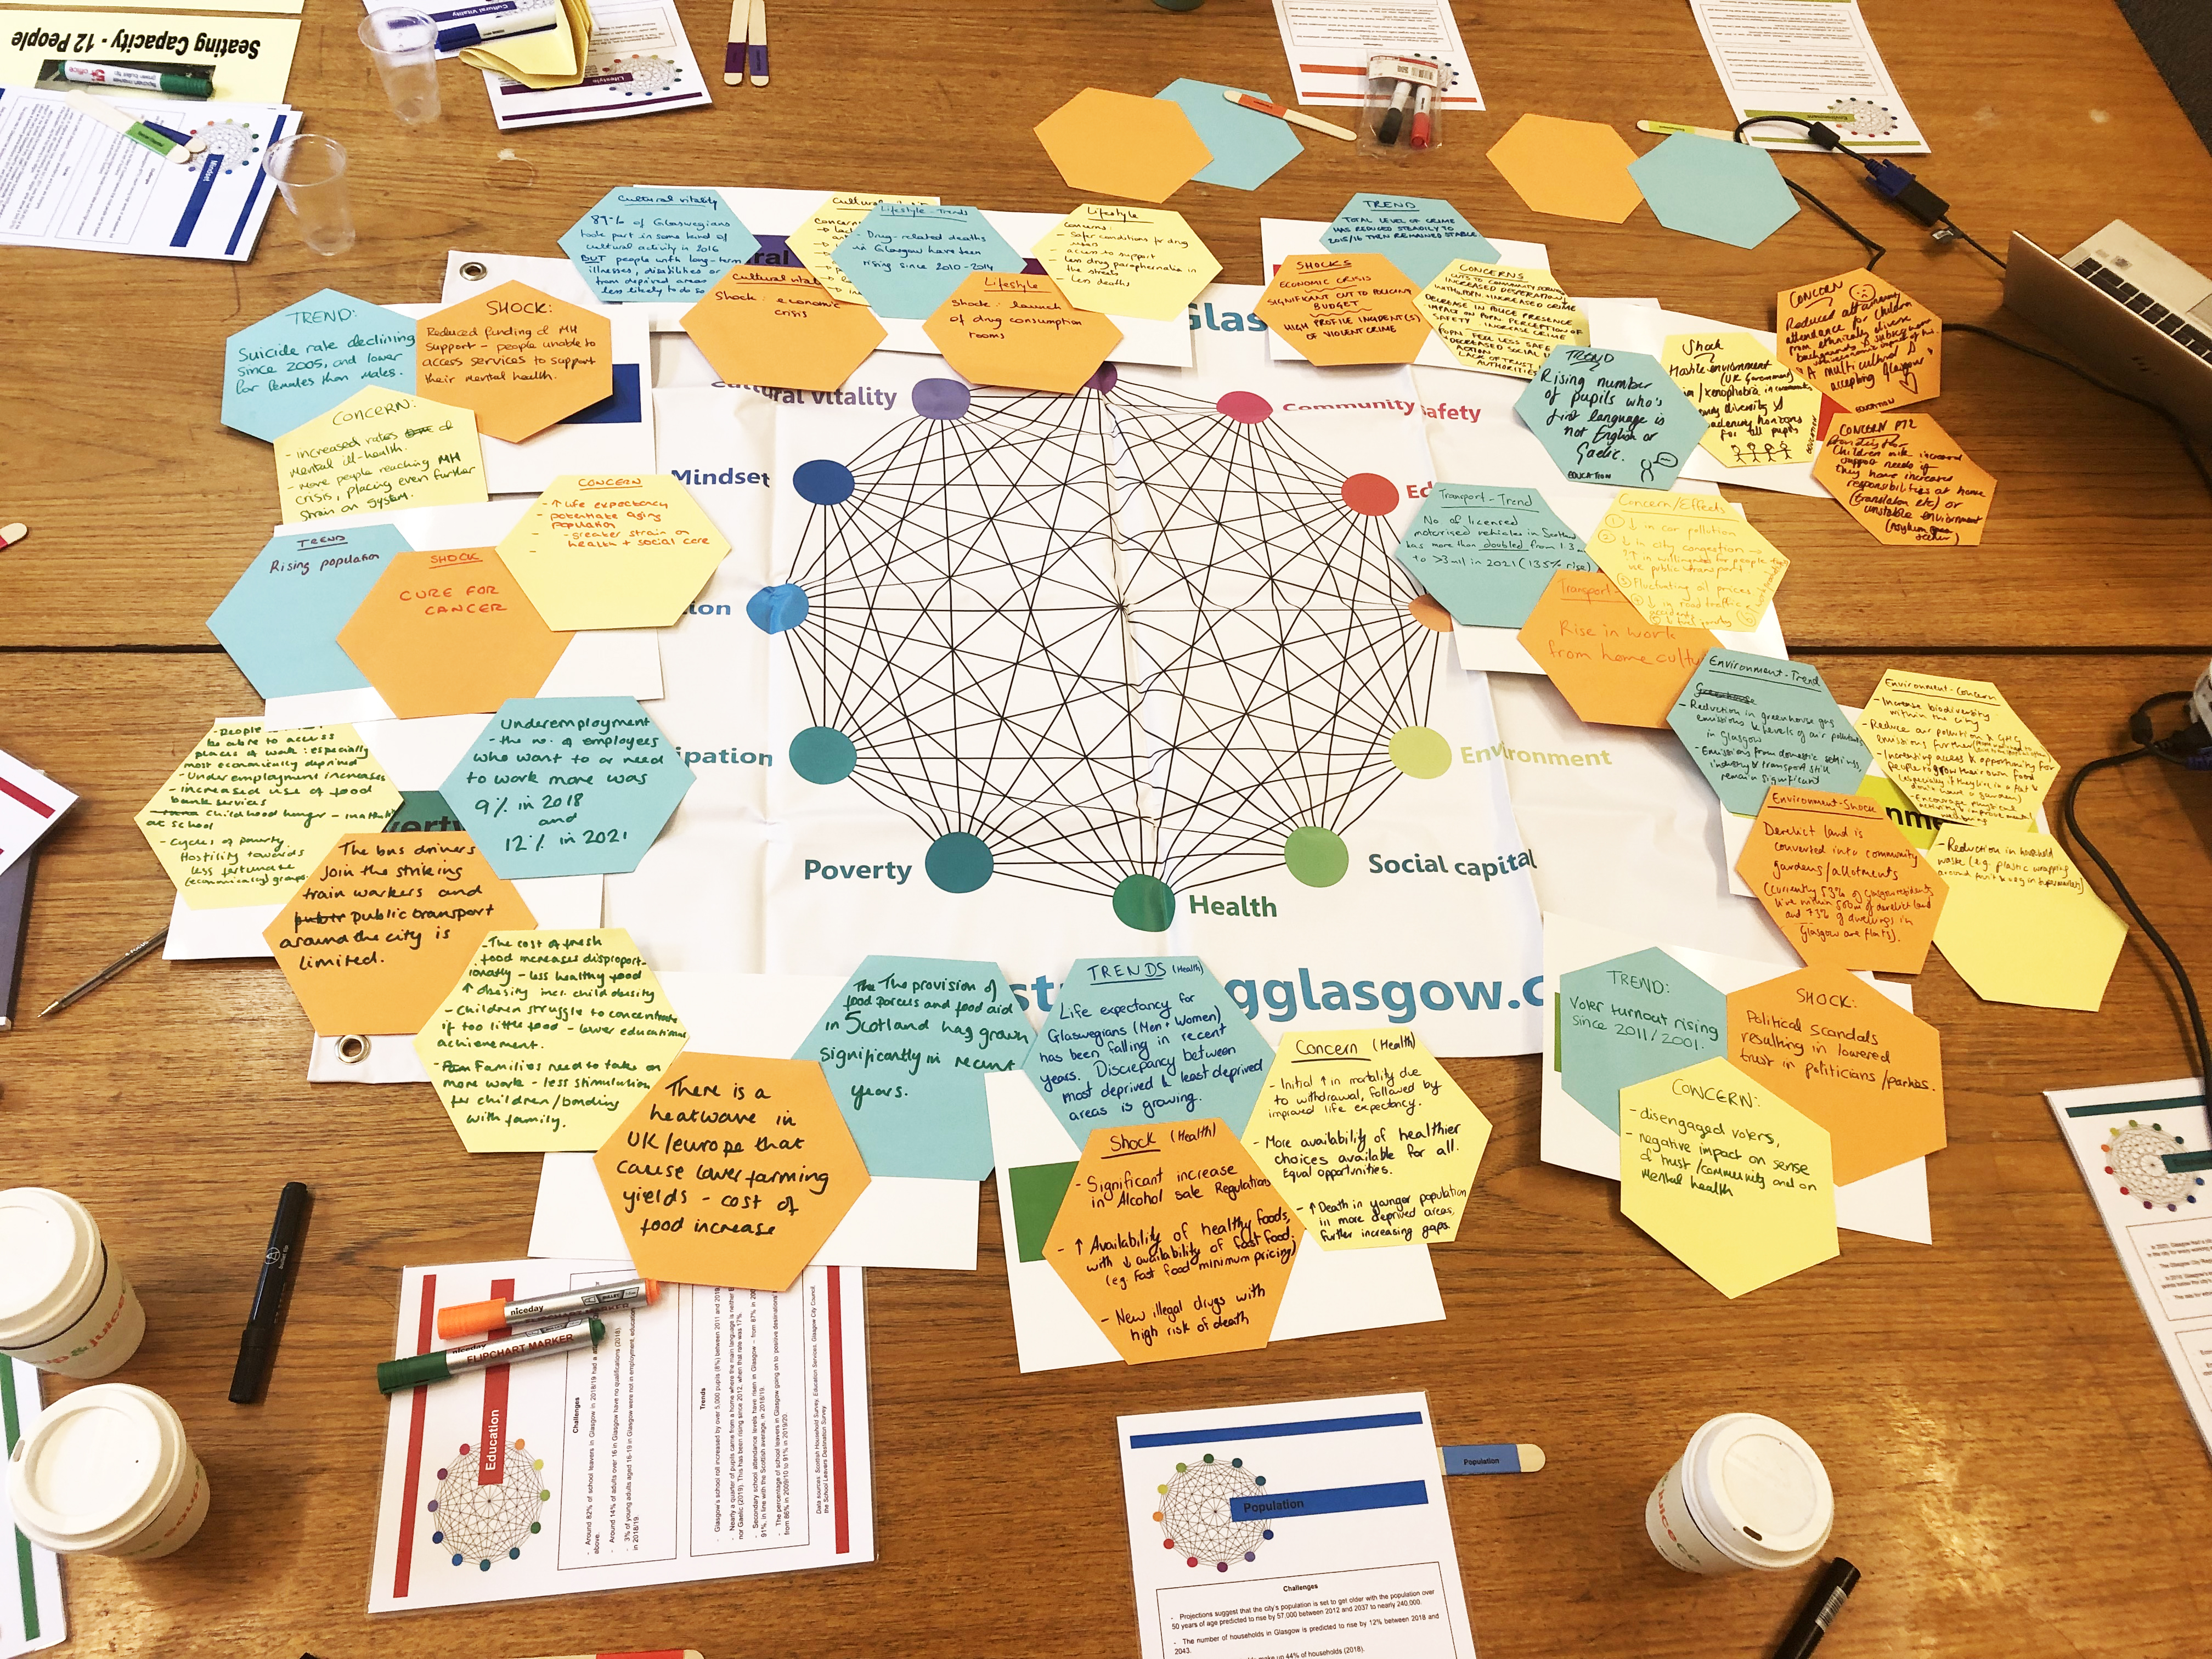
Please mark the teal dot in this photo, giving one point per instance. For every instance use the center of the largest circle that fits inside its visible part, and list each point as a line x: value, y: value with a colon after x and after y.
x: 1144, y: 902
x: 823, y: 754
x: 1317, y: 856
x: 958, y: 863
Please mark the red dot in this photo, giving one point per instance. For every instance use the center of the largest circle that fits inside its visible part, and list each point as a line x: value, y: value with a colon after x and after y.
x: 1190, y: 1561
x: 1168, y: 1544
x: 1249, y: 407
x: 1370, y: 493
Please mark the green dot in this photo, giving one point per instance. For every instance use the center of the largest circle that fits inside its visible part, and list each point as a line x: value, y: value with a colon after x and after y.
x: 1209, y: 1457
x: 1180, y: 1468
x: 1144, y: 902
x: 1317, y: 856
x: 1420, y: 751
x: 823, y: 754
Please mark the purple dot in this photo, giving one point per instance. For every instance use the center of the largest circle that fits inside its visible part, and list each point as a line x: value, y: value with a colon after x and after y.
x: 1247, y: 1555
x: 1221, y: 1566
x: 433, y: 1502
x: 1105, y: 379
x: 940, y: 400
x: 1249, y: 407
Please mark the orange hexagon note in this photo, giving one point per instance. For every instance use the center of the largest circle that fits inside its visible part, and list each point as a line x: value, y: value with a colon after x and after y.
x: 1840, y: 880
x: 1865, y: 1070
x: 1613, y: 668
x: 776, y: 325
x: 1575, y: 170
x: 1861, y: 341
x: 731, y: 1171
x: 450, y: 633
x: 1906, y: 480
x: 521, y: 359
x: 375, y: 937
x: 1018, y: 331
x: 607, y: 550
x: 1337, y: 309
x: 1173, y: 1241
x: 1115, y: 144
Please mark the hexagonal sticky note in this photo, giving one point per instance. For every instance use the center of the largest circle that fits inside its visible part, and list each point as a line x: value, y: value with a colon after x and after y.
x: 1020, y: 332
x: 1860, y: 341
x: 655, y: 242
x: 906, y: 257
x: 1612, y: 417
x: 309, y: 358
x: 1630, y: 1018
x: 1758, y: 412
x: 450, y: 633
x: 1366, y: 1136
x: 1486, y: 553
x: 1419, y: 235
x: 1715, y: 188
x: 1956, y: 748
x: 1504, y: 318
x: 379, y: 451
x: 1687, y: 561
x: 1131, y: 261
x: 1750, y: 721
x: 1132, y: 1039
x: 1731, y: 1178
x: 1575, y: 169
x: 1115, y: 143
x: 731, y: 1171
x: 549, y: 1039
x: 771, y: 326
x: 374, y: 939
x: 1918, y: 828
x: 566, y: 786
x: 1862, y: 1068
x: 905, y: 1046
x: 1249, y: 147
x: 2020, y: 924
x: 1841, y: 881
x: 1344, y: 308
x: 1613, y: 668
x: 248, y: 814
x: 280, y: 621
x: 613, y: 550
x: 521, y: 359
x: 816, y: 239
x: 1174, y: 1242
x: 1906, y: 480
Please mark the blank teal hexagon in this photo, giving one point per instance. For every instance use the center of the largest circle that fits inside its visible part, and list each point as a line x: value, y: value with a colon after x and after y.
x: 1752, y: 722
x: 1486, y: 554
x: 1630, y: 1019
x: 906, y: 257
x: 1610, y: 417
x: 657, y: 242
x: 1715, y: 188
x: 306, y: 360
x: 280, y: 621
x: 1249, y: 147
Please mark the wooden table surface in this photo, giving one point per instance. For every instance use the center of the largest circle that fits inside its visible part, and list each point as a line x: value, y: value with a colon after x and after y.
x: 2014, y: 1471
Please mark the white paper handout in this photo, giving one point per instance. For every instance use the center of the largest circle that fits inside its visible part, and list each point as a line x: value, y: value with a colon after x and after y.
x: 1812, y: 58
x: 716, y: 1434
x: 640, y: 63
x: 1328, y: 43
x: 31, y: 803
x: 1278, y: 1532
x: 31, y: 1616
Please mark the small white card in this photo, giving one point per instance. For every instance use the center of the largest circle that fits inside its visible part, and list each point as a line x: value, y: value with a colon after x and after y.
x: 31, y: 803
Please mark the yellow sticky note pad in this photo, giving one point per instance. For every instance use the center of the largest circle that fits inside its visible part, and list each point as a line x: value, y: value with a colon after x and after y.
x: 1726, y: 1173
x: 1687, y: 561
x: 606, y: 550
x: 1759, y: 411
x: 1505, y: 318
x: 816, y: 241
x: 2021, y: 924
x: 378, y: 451
x: 1131, y: 261
x: 1956, y: 748
x: 1366, y: 1136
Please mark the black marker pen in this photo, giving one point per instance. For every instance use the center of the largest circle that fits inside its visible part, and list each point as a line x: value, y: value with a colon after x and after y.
x: 1829, y: 1595
x: 257, y: 1347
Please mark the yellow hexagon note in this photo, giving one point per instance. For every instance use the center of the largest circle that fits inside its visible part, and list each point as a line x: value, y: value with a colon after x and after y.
x: 1956, y: 748
x: 1504, y: 318
x: 1366, y: 1136
x: 379, y: 451
x: 1131, y: 261
x: 1687, y: 561
x: 613, y: 550
x: 248, y: 815
x: 2021, y: 924
x: 1727, y: 1175
x: 1759, y: 411
x: 549, y: 1040
x: 816, y: 239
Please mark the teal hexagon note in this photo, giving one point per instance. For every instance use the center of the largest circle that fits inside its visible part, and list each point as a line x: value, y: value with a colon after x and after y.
x: 1419, y: 235
x: 1485, y: 554
x: 906, y: 257
x: 1630, y: 1018
x: 1249, y: 147
x: 566, y: 786
x: 905, y: 1046
x: 1714, y: 188
x: 1140, y: 1039
x: 1753, y: 722
x: 307, y: 359
x: 657, y: 242
x: 280, y: 621
x: 1610, y: 417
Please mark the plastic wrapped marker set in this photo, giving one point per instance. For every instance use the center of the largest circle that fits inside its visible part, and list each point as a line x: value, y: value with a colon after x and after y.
x: 1403, y: 116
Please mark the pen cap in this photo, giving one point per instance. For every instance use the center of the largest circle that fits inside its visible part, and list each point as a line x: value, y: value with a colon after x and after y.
x: 108, y: 1471
x: 66, y: 1305
x: 470, y: 1319
x: 411, y: 1370
x: 1748, y: 1493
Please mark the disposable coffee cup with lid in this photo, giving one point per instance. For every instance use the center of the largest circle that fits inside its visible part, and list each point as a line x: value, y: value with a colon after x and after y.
x: 66, y: 1305
x: 108, y: 1471
x: 1747, y: 1493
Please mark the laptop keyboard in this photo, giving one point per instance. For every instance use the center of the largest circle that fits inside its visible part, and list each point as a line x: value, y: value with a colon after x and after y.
x: 2172, y: 324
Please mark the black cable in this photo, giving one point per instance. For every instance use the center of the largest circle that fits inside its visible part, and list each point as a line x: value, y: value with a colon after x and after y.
x: 1922, y: 205
x: 1875, y: 249
x: 1972, y: 243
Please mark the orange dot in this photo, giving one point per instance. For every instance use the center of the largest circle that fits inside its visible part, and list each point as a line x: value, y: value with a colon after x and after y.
x: 1427, y: 612
x: 1370, y: 493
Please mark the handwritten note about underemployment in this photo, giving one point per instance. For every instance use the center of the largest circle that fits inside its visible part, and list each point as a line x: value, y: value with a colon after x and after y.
x: 376, y: 451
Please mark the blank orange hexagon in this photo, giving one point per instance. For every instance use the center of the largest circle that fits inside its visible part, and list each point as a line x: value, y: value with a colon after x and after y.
x: 731, y: 1171
x: 1842, y: 881
x: 1115, y: 144
x: 1575, y: 170
x: 1337, y: 309
x: 776, y: 326
x: 521, y: 359
x: 1865, y: 1070
x: 1018, y: 331
x: 450, y: 633
x: 1173, y: 1241
x: 1613, y: 668
x: 376, y: 937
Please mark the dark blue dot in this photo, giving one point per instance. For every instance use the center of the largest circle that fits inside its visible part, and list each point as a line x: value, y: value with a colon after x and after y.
x: 960, y: 863
x: 823, y: 754
x: 437, y: 1538
x: 823, y: 483
x: 515, y: 1555
x: 779, y: 609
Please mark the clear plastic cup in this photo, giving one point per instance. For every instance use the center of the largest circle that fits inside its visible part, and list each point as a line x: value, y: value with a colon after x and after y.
x: 310, y: 170
x: 404, y: 45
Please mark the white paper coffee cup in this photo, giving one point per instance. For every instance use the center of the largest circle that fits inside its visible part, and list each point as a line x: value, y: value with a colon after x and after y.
x: 1748, y: 1492
x: 66, y: 1305
x: 108, y: 1472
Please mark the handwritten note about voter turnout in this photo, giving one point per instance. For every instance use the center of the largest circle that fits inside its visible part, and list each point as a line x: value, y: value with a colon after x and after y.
x: 378, y: 451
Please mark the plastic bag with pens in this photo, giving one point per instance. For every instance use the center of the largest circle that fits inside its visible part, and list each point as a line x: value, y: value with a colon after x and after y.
x: 1403, y: 116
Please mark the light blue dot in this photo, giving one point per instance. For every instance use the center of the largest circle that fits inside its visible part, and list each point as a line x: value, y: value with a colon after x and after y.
x: 778, y: 609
